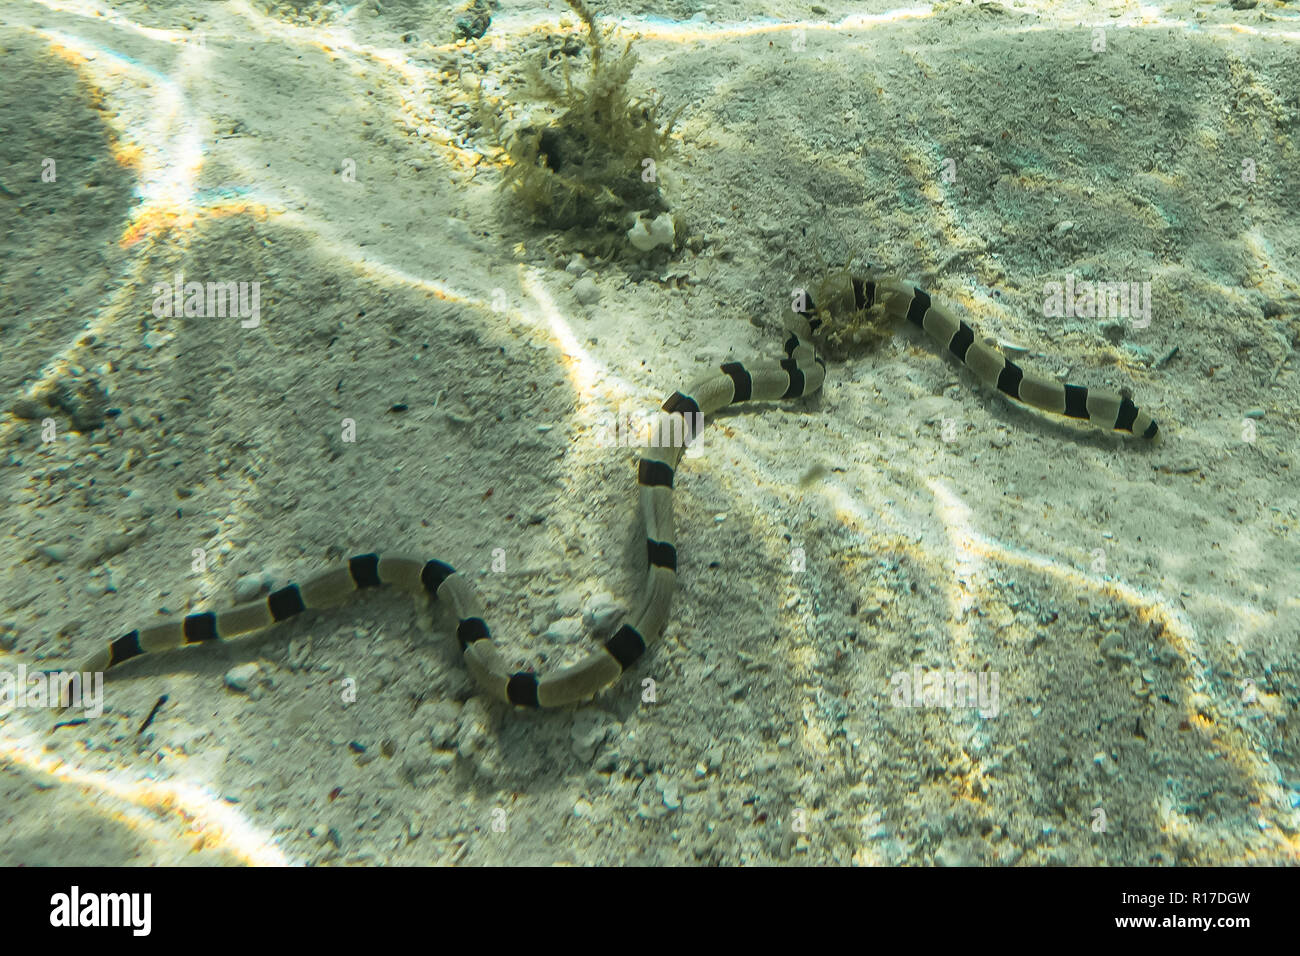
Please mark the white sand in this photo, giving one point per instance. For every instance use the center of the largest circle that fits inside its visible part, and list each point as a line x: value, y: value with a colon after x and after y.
x: 1122, y: 593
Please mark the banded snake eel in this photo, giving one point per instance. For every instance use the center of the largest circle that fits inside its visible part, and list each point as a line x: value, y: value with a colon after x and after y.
x: 799, y: 373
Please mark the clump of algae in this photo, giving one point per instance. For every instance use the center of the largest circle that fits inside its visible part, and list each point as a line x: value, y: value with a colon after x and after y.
x: 846, y: 330
x: 589, y: 159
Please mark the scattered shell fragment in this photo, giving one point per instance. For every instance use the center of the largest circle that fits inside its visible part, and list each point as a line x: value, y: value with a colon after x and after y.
x: 659, y: 232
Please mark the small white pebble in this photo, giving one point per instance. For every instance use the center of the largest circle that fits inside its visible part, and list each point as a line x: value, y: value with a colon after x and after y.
x: 54, y: 553
x: 601, y: 612
x: 564, y: 631
x: 248, y: 587
x: 239, y: 678
x: 672, y: 796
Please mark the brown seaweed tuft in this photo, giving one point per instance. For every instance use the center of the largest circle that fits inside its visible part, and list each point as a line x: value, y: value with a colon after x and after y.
x: 589, y: 157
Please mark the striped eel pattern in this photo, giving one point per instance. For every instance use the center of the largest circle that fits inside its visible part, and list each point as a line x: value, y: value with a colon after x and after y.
x: 799, y: 373
x: 1101, y: 407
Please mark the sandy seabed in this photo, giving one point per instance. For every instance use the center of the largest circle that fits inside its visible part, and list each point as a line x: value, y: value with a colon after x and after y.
x: 1136, y: 602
